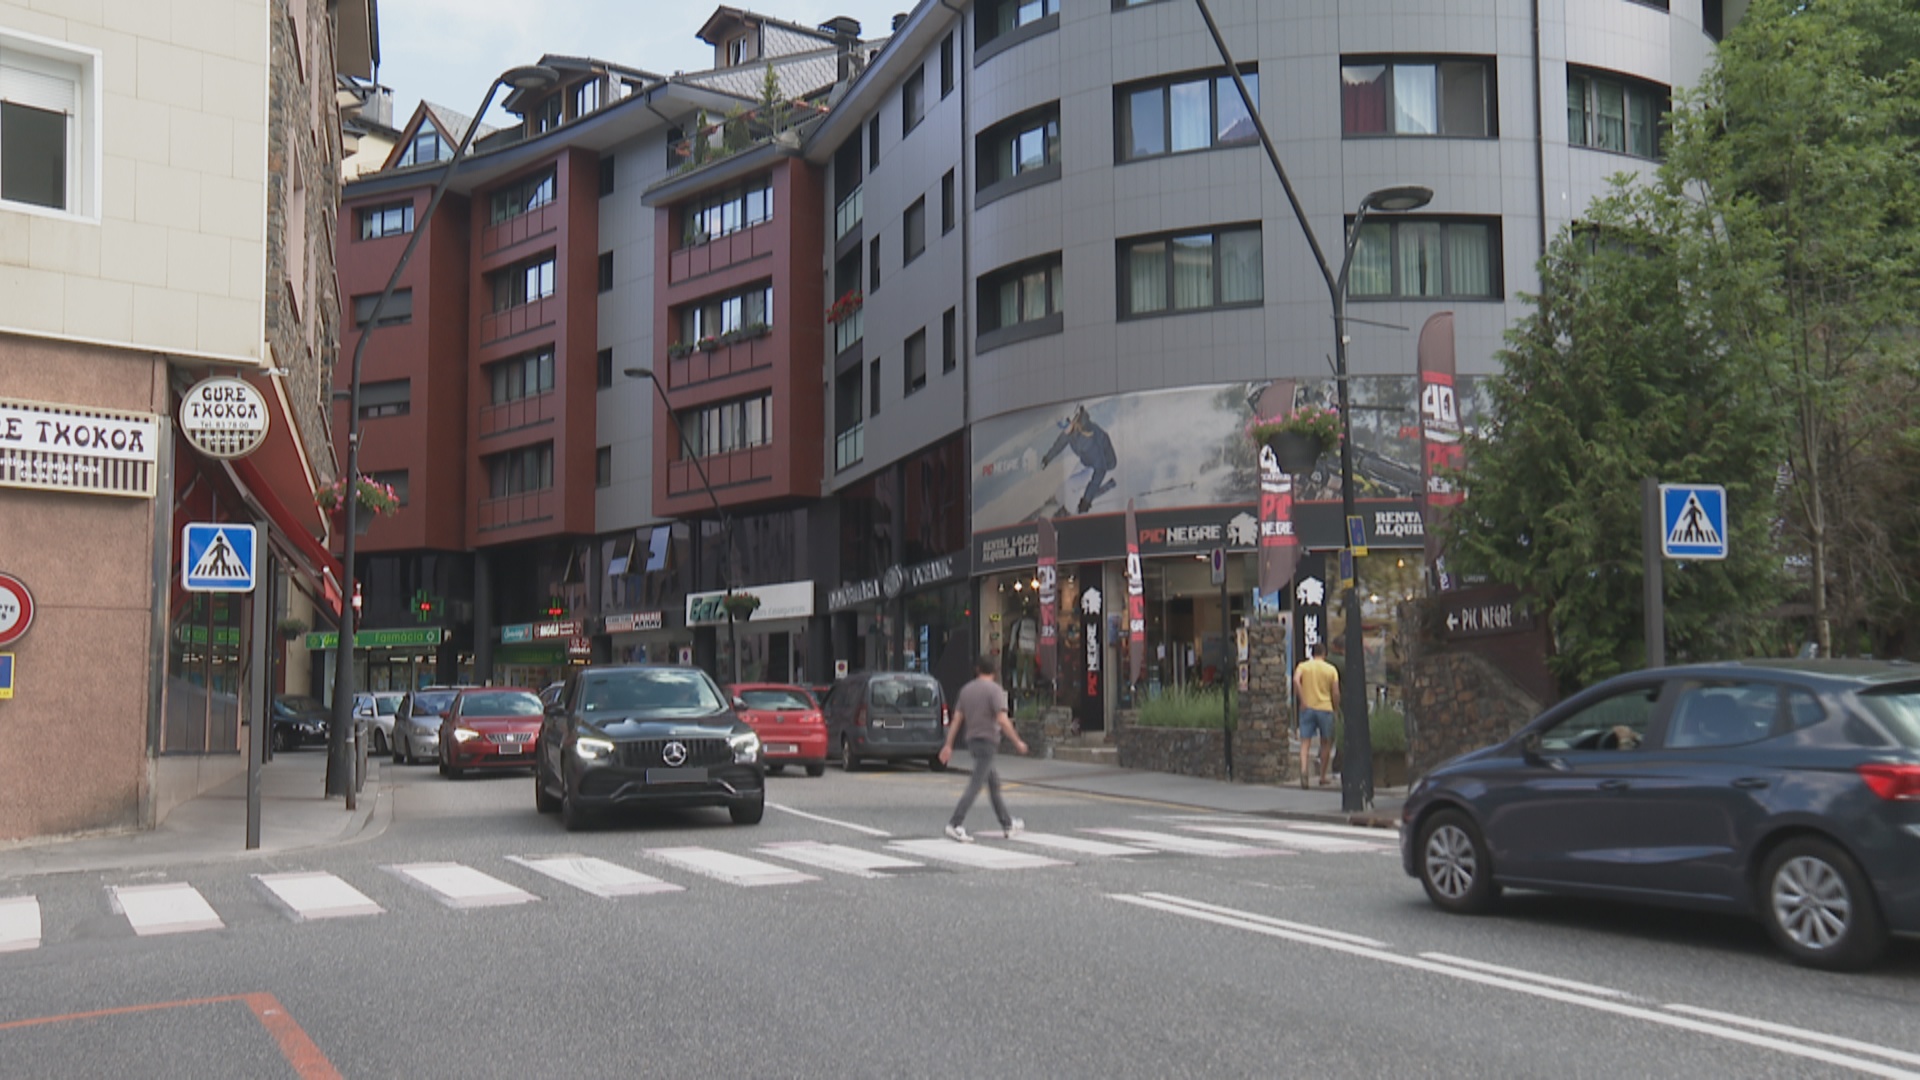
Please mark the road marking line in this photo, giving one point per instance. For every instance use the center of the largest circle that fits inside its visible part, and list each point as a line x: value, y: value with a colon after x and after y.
x: 1186, y: 845
x: 306, y: 1059
x: 1289, y: 838
x: 173, y: 908
x: 869, y: 830
x: 846, y: 860
x: 1268, y: 920
x: 1801, y: 1033
x: 978, y: 856
x: 596, y: 876
x: 1376, y: 835
x: 19, y: 923
x: 1081, y: 845
x: 1244, y: 921
x: 460, y: 886
x: 318, y: 895
x: 730, y: 868
x: 1549, y: 980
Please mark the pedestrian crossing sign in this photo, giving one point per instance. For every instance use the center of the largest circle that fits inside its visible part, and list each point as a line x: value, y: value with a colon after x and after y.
x: 1693, y: 521
x: 218, y: 557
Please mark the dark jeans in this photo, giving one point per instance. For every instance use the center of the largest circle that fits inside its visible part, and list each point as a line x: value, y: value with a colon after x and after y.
x: 983, y: 751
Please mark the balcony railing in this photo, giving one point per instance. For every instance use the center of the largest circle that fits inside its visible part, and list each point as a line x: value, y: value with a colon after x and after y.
x: 747, y: 353
x: 849, y: 447
x: 501, y: 325
x: 729, y: 135
x: 848, y: 331
x: 519, y: 413
x: 719, y: 253
x: 848, y: 213
x: 524, y: 509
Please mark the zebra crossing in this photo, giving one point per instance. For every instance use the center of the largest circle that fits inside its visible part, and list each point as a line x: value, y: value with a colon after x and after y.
x: 305, y: 896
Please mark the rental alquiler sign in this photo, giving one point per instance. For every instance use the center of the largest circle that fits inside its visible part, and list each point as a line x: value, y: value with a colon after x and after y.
x: 93, y: 451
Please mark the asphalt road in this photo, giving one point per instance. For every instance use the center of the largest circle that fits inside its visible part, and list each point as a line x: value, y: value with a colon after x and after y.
x: 1291, y: 949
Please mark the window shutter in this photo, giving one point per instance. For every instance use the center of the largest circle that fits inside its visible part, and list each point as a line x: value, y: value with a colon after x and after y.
x: 21, y: 85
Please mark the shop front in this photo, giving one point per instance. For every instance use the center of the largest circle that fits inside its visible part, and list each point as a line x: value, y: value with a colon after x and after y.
x: 769, y: 641
x: 391, y: 659
x: 536, y: 654
x: 643, y: 637
x: 910, y: 618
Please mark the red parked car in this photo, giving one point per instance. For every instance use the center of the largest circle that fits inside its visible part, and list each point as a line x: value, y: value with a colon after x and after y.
x: 490, y: 727
x: 788, y: 721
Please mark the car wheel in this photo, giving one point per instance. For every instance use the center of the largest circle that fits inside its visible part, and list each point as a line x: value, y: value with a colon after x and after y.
x: 1819, y: 907
x: 847, y: 760
x: 379, y: 743
x: 749, y: 813
x: 1454, y: 866
x: 572, y: 817
x: 934, y: 764
x: 816, y: 770
x: 542, y: 802
x: 776, y: 769
x: 399, y: 758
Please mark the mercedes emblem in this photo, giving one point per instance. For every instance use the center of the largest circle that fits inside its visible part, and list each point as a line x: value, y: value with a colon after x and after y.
x: 674, y: 753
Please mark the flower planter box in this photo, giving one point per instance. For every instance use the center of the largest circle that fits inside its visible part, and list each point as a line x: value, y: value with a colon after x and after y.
x: 1296, y: 451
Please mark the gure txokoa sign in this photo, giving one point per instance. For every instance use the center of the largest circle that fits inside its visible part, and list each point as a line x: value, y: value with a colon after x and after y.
x: 94, y: 451
x: 224, y: 417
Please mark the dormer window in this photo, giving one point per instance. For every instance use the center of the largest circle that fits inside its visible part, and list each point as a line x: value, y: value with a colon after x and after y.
x: 737, y: 51
x: 545, y: 116
x: 586, y: 97
x: 427, y: 146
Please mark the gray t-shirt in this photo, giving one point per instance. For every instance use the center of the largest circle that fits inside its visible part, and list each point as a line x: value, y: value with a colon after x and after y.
x: 980, y: 704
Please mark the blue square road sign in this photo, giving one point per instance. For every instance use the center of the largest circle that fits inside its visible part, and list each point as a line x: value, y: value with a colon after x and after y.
x: 218, y: 557
x: 1693, y: 521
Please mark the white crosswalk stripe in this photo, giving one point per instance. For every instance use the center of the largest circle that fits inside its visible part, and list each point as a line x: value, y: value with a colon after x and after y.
x: 1292, y: 838
x: 1081, y: 845
x: 730, y: 868
x: 978, y: 856
x: 460, y: 886
x: 318, y: 895
x: 1186, y: 845
x: 839, y: 857
x: 1383, y: 836
x: 172, y: 908
x: 596, y: 876
x: 19, y: 923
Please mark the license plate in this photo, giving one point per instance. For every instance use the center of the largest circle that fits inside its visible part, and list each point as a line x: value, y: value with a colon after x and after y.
x: 676, y: 776
x: 782, y: 748
x: 513, y: 748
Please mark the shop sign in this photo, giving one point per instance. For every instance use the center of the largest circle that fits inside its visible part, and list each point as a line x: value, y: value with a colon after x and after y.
x: 16, y: 609
x: 1479, y: 614
x: 412, y: 637
x: 224, y: 417
x: 579, y: 646
x: 853, y: 594
x: 933, y: 572
x: 567, y: 628
x: 788, y: 600
x: 1090, y: 605
x: 516, y: 634
x: 1019, y: 548
x: 95, y: 451
x: 635, y: 621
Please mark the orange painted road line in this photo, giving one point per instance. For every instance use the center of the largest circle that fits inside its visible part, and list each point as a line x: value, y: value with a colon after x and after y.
x: 295, y: 1045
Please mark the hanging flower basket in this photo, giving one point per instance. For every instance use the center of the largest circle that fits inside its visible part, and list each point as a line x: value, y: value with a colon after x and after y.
x: 843, y: 308
x: 374, y: 498
x: 740, y: 605
x: 1299, y: 438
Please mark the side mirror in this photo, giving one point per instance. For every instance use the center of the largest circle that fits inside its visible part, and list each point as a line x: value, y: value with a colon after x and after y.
x: 739, y: 703
x: 1531, y: 753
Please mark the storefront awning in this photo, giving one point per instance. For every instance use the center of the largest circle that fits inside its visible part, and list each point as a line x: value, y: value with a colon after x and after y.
x: 278, y: 479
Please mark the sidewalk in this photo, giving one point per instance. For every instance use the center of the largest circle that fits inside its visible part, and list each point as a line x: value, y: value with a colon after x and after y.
x: 294, y: 815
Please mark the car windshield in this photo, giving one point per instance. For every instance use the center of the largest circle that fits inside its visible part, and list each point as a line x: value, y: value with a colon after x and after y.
x: 1897, y: 707
x: 667, y: 692
x: 906, y: 693
x: 298, y: 704
x: 776, y: 700
x: 433, y: 702
x: 385, y: 704
x: 500, y: 703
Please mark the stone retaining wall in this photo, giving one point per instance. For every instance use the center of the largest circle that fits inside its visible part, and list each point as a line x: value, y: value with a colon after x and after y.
x: 1459, y: 702
x: 1263, y: 750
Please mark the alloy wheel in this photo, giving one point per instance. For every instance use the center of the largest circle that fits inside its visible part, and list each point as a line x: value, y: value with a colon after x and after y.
x: 1451, y: 864
x: 1811, y: 902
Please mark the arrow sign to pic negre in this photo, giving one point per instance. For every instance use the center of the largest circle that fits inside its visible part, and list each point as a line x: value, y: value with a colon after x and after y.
x: 1693, y: 521
x: 218, y: 557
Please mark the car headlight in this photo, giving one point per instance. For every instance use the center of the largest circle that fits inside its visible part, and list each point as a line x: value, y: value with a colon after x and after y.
x: 592, y: 749
x: 461, y: 735
x: 746, y: 748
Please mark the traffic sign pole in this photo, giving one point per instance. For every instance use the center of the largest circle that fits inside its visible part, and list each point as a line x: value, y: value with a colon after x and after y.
x: 1652, y: 539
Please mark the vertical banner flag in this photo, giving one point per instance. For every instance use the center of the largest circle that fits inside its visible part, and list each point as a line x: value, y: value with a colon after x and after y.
x: 1279, y: 547
x: 1136, y: 603
x: 1439, y: 438
x: 1047, y: 659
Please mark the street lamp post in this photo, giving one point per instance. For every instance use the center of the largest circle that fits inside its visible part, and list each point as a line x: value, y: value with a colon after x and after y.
x: 1356, y: 771
x: 339, y: 758
x: 726, y: 520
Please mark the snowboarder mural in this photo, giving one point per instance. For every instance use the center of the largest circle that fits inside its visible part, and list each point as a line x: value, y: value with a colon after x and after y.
x: 1091, y: 444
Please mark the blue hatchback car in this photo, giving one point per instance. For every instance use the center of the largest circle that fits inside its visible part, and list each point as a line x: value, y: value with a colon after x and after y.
x: 1787, y: 790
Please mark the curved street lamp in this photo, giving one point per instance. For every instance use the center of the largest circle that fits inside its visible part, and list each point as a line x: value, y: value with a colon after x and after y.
x: 1356, y: 770
x: 339, y: 756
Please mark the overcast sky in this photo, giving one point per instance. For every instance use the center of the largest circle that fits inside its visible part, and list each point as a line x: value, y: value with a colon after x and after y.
x: 446, y: 51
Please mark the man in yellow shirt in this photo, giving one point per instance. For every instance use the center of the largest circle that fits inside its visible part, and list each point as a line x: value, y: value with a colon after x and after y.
x: 1316, y: 686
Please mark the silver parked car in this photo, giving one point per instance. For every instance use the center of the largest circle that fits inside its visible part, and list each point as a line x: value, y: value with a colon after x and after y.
x: 416, y: 724
x: 376, y: 709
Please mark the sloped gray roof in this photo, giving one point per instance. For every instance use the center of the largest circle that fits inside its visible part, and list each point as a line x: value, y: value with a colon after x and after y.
x: 454, y: 124
x: 800, y: 75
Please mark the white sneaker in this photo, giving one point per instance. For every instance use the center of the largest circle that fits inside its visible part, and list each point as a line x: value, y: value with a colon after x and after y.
x: 955, y: 832
x: 1016, y: 828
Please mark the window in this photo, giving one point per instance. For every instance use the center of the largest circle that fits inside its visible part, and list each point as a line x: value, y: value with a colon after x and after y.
x: 913, y: 231
x: 1025, y: 294
x: 1191, y: 112
x: 1427, y: 257
x: 1608, y: 112
x: 946, y: 65
x: 1190, y: 271
x: 946, y: 203
x: 606, y: 271
x: 1028, y: 144
x: 1418, y: 97
x: 1122, y: 5
x: 873, y: 143
x: 546, y: 116
x: 523, y: 198
x: 1724, y: 715
x: 383, y: 221
x: 603, y: 467
x: 915, y: 360
x: 913, y: 100
x: 392, y: 397
x: 740, y: 208
x: 998, y: 18
x: 523, y: 376
x: 949, y: 356
x: 606, y: 176
x: 849, y: 444
x: 399, y: 309
x: 1618, y: 722
x: 603, y: 369
x: 395, y: 479
x: 737, y: 51
x: 729, y: 425
x: 523, y: 284
x: 586, y: 97
x: 46, y: 141
x: 873, y: 387
x: 873, y: 264
x: 427, y: 146
x: 714, y: 316
x: 518, y: 472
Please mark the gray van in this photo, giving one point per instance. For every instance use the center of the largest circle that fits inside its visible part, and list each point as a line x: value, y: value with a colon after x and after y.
x: 887, y: 716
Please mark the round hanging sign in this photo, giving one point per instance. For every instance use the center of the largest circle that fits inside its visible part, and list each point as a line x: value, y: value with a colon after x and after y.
x: 224, y: 417
x: 16, y: 609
